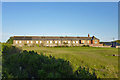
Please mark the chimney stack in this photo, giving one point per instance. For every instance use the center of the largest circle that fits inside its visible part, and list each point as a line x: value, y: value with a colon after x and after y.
x: 93, y: 37
x: 88, y: 35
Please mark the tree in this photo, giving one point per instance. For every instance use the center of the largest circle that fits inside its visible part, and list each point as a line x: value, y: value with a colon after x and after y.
x: 10, y: 41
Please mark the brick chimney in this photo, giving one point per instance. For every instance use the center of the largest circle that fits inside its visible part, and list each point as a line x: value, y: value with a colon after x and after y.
x: 93, y: 37
x: 88, y: 35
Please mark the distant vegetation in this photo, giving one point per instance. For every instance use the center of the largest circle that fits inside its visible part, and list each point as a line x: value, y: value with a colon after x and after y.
x: 110, y: 43
x: 18, y: 63
x: 118, y: 41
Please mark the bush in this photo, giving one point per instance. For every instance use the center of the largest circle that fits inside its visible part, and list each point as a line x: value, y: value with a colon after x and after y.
x: 83, y: 73
x: 29, y: 64
x: 25, y: 44
x: 8, y: 49
x: 85, y: 46
x: 37, y: 45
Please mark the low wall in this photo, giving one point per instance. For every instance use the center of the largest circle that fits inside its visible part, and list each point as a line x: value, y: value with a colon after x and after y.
x: 96, y: 45
x: 91, y: 45
x: 117, y: 46
x: 105, y: 46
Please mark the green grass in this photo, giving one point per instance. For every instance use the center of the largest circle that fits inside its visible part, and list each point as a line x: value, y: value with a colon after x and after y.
x: 100, y: 59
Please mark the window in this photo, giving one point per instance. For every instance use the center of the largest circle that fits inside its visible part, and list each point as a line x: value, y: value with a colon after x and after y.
x: 47, y: 41
x: 76, y: 41
x: 68, y: 41
x: 95, y: 42
x: 83, y: 41
x: 50, y: 41
x: 31, y: 41
x: 27, y: 41
x: 37, y: 42
x: 88, y: 41
x: 19, y: 41
x: 16, y: 42
x: 40, y: 41
x: 73, y: 41
x: 55, y: 41
x: 59, y: 41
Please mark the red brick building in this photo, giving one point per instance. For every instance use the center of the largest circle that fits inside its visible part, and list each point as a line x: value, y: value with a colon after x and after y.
x: 55, y: 41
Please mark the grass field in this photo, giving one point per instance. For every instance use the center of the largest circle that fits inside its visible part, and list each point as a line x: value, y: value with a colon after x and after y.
x: 100, y: 59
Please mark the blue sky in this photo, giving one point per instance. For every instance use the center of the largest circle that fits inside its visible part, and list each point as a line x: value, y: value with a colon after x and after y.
x: 60, y: 19
x: 60, y: 0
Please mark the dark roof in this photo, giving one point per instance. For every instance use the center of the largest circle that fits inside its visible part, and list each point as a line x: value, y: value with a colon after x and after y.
x: 110, y: 43
x: 51, y: 38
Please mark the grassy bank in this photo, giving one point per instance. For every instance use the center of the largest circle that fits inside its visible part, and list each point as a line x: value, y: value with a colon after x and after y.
x: 100, y: 59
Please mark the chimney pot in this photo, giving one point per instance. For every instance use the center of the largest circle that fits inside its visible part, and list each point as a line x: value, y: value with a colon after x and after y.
x: 88, y: 35
x: 93, y: 37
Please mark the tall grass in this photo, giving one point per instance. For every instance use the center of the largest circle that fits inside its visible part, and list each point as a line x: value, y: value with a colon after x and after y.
x: 100, y: 59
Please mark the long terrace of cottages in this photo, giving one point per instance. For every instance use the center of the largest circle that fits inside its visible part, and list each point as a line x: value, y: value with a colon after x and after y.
x: 54, y: 40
